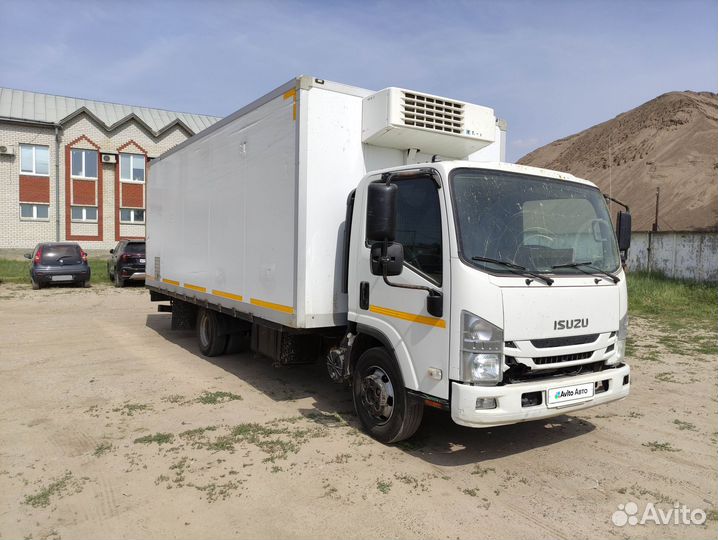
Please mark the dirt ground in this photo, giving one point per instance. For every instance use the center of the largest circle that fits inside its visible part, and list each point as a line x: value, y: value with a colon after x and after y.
x: 115, y: 426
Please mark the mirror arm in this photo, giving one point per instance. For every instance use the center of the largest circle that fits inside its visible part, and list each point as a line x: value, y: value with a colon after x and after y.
x: 616, y: 201
x: 385, y: 261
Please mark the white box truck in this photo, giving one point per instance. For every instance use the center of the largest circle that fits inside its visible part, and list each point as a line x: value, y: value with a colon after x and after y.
x: 382, y: 232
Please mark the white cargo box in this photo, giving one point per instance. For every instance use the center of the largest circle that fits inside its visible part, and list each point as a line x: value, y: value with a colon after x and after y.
x: 249, y: 214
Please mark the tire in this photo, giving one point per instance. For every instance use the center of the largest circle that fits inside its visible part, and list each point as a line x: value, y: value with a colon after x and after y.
x: 119, y: 282
x: 35, y: 285
x: 211, y: 342
x: 86, y: 284
x: 386, y: 411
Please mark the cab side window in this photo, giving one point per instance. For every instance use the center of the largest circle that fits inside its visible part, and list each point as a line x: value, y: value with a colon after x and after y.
x: 418, y: 226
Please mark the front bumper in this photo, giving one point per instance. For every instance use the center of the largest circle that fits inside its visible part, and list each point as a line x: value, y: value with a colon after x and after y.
x: 509, y: 409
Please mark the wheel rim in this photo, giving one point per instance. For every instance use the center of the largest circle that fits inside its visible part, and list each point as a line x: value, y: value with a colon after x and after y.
x: 377, y: 395
x: 204, y: 331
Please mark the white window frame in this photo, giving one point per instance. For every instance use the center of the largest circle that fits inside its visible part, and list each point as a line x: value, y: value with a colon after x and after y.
x: 34, y: 212
x: 133, y: 221
x: 34, y: 161
x: 132, y: 159
x: 72, y: 158
x: 84, y: 213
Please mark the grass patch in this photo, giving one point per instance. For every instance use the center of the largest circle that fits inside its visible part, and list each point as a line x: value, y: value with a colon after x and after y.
x: 482, y: 471
x: 666, y: 376
x: 159, y: 438
x: 56, y: 487
x: 656, y: 446
x: 18, y: 271
x: 213, y: 398
x: 197, y: 433
x: 683, y: 426
x: 102, y: 448
x: 383, y: 486
x: 129, y: 409
x: 676, y: 305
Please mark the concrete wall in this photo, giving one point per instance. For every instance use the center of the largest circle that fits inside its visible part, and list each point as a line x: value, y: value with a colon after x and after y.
x: 682, y: 255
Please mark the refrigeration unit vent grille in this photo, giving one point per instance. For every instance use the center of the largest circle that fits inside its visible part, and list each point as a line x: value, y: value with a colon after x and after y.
x: 432, y: 113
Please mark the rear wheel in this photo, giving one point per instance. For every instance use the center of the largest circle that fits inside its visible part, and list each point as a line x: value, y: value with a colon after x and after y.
x: 35, y: 285
x: 119, y: 282
x: 386, y: 411
x: 211, y: 342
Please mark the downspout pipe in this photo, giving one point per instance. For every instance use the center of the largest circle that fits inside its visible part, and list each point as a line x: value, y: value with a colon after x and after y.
x: 57, y: 182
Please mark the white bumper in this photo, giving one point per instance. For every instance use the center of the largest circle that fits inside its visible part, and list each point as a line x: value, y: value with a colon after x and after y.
x: 508, y: 399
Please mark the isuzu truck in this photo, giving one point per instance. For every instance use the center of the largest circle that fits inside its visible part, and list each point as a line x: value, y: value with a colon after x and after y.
x: 384, y: 233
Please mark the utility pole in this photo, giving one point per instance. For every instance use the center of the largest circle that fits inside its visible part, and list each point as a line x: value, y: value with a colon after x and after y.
x: 655, y: 221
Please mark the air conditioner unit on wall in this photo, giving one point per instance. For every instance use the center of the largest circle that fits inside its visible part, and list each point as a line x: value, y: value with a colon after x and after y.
x: 109, y: 158
x: 403, y: 119
x: 7, y: 150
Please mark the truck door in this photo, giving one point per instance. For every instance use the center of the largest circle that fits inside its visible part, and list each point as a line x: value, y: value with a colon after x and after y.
x: 420, y: 340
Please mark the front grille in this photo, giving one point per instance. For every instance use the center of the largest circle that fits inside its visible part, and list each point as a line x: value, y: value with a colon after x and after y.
x: 518, y: 372
x: 564, y: 341
x: 562, y: 358
x: 432, y: 113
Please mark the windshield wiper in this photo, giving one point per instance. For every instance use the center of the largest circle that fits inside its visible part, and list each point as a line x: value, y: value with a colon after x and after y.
x: 517, y: 267
x: 590, y: 265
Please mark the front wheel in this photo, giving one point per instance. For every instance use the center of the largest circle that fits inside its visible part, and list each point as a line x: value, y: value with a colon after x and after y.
x: 211, y: 342
x: 385, y: 409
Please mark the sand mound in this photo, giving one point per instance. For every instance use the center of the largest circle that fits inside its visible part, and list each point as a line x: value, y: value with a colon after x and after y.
x: 670, y: 141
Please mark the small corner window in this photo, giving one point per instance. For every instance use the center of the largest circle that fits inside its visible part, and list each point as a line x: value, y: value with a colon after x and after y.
x: 132, y: 215
x: 34, y: 159
x: 132, y: 168
x: 84, y: 163
x: 84, y: 213
x: 39, y: 212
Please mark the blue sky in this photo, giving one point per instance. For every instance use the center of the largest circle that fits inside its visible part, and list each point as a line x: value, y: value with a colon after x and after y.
x: 551, y: 68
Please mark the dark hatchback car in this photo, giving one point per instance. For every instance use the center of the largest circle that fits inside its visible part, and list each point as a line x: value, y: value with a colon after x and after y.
x: 127, y: 262
x: 54, y: 263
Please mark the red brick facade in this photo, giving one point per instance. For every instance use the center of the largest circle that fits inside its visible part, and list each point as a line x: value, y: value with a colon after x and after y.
x: 128, y: 195
x: 34, y: 189
x: 69, y: 196
x: 132, y: 196
x: 83, y: 192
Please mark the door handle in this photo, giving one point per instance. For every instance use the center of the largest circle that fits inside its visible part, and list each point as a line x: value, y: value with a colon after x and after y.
x: 364, y: 295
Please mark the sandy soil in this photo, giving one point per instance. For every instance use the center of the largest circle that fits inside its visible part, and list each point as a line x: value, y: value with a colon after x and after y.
x: 114, y: 426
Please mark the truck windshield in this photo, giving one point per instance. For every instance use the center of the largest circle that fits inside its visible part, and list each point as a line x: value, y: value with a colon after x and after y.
x: 535, y: 222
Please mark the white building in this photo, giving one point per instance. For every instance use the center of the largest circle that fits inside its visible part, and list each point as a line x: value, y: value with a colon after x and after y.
x: 75, y: 169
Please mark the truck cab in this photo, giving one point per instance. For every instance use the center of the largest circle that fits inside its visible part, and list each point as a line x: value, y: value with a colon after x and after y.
x: 492, y: 290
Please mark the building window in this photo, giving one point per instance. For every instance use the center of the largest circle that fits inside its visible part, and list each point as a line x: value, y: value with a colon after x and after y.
x: 132, y: 168
x: 34, y: 211
x: 84, y: 163
x: 84, y: 213
x: 132, y: 215
x: 34, y: 159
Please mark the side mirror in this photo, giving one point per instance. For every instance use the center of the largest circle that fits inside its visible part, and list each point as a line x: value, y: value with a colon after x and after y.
x: 28, y: 255
x: 435, y: 304
x: 395, y: 256
x: 381, y: 212
x: 623, y: 230
x: 112, y: 250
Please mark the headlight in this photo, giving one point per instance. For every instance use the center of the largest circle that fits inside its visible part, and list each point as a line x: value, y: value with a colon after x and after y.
x: 482, y: 350
x: 620, y: 349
